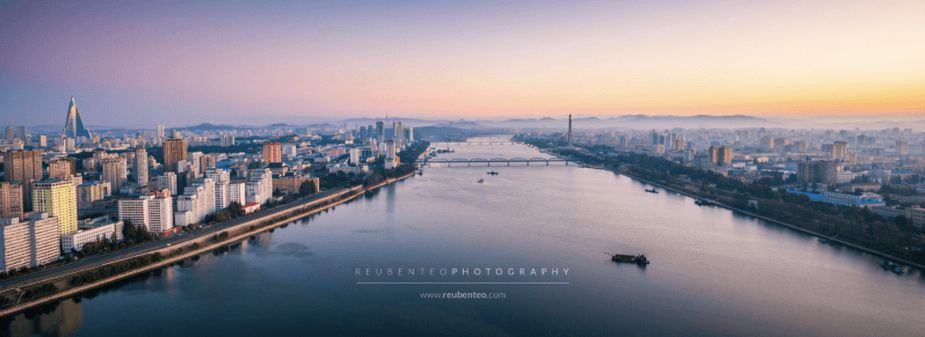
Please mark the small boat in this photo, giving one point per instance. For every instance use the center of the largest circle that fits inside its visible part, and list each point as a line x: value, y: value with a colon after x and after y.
x: 421, y: 172
x: 492, y: 173
x: 481, y: 180
x: 893, y: 267
x: 652, y: 190
x: 640, y: 260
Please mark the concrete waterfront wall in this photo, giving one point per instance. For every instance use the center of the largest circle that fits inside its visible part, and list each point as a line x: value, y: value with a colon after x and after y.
x: 236, y: 233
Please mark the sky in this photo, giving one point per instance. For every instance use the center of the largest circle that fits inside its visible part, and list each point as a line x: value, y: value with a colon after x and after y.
x: 250, y: 62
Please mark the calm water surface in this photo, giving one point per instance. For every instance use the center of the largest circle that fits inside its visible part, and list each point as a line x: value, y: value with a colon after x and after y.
x: 714, y: 273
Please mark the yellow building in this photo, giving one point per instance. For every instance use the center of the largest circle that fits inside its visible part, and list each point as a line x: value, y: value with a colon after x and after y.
x: 58, y: 198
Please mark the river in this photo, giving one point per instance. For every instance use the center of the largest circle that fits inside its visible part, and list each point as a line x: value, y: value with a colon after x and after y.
x: 713, y: 273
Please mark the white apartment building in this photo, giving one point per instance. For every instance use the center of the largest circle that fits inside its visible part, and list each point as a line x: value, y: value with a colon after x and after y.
x: 115, y: 171
x: 259, y: 186
x: 237, y: 192
x: 29, y: 244
x: 222, y: 180
x: 135, y: 210
x: 166, y: 181
x: 91, y: 231
x: 154, y: 212
x: 161, y: 214
x: 91, y: 191
x: 14, y: 243
x: 197, y: 202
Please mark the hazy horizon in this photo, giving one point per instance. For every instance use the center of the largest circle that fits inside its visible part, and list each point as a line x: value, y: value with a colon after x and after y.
x: 184, y: 63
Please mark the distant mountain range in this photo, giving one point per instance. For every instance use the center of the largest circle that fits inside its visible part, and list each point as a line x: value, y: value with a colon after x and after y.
x: 637, y: 121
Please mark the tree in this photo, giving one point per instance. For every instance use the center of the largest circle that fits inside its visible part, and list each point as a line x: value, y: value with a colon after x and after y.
x: 307, y: 188
x: 235, y: 209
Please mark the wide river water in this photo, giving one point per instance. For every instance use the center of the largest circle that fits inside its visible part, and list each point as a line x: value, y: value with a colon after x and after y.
x: 713, y: 272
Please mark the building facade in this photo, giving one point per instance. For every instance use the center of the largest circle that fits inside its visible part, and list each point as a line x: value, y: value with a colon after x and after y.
x: 141, y: 167
x: 58, y: 198
x: 29, y: 243
x: 115, y: 171
x: 175, y: 150
x: 11, y: 200
x: 272, y: 152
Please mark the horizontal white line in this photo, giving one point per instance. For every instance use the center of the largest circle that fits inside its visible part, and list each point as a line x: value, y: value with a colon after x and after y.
x: 459, y: 283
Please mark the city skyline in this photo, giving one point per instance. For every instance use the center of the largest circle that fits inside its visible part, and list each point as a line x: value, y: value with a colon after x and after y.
x: 163, y: 63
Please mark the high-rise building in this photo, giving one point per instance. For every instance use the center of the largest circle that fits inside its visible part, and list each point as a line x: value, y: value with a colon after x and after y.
x: 227, y: 140
x: 160, y: 132
x: 570, y: 130
x: 354, y: 156
x: 29, y: 244
x: 11, y: 201
x: 206, y: 162
x: 74, y: 126
x: 290, y: 151
x: 141, y: 166
x: 175, y: 150
x: 160, y: 212
x: 819, y: 171
x: 272, y: 152
x: 166, y: 181
x: 196, y: 203
x: 43, y: 141
x: 768, y: 144
x: 154, y: 211
x: 398, y: 134
x: 22, y: 166
x: 194, y: 161
x: 411, y: 134
x: 62, y: 168
x: 44, y: 239
x: 380, y: 132
x: 714, y: 154
x: 840, y: 150
x: 237, y: 192
x: 222, y: 180
x: 135, y: 211
x: 902, y: 147
x: 58, y: 198
x: 259, y: 186
x: 115, y: 172
x: 724, y: 156
x: 91, y: 191
x: 208, y: 192
x: 14, y: 241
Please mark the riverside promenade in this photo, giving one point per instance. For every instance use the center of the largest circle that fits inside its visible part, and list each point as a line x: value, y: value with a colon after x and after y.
x: 177, y: 248
x: 744, y: 211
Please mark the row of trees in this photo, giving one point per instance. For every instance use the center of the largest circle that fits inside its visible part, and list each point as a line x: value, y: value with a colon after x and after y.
x: 855, y: 224
x: 131, y: 234
x: 100, y: 273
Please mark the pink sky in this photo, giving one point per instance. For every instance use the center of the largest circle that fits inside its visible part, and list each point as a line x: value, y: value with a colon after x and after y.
x: 188, y: 62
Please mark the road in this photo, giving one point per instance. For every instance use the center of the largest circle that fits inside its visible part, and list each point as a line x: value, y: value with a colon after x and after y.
x: 148, y: 247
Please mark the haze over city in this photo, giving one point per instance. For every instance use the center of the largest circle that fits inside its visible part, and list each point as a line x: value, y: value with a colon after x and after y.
x: 133, y: 63
x: 462, y: 168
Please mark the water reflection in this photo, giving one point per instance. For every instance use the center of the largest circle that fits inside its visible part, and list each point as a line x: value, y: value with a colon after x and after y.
x: 58, y: 320
x: 714, y: 272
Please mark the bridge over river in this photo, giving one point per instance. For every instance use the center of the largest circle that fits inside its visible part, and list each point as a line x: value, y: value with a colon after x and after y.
x: 497, y: 161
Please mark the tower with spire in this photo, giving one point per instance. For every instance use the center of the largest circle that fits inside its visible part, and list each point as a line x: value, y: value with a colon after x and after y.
x: 74, y: 126
x: 570, y: 130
